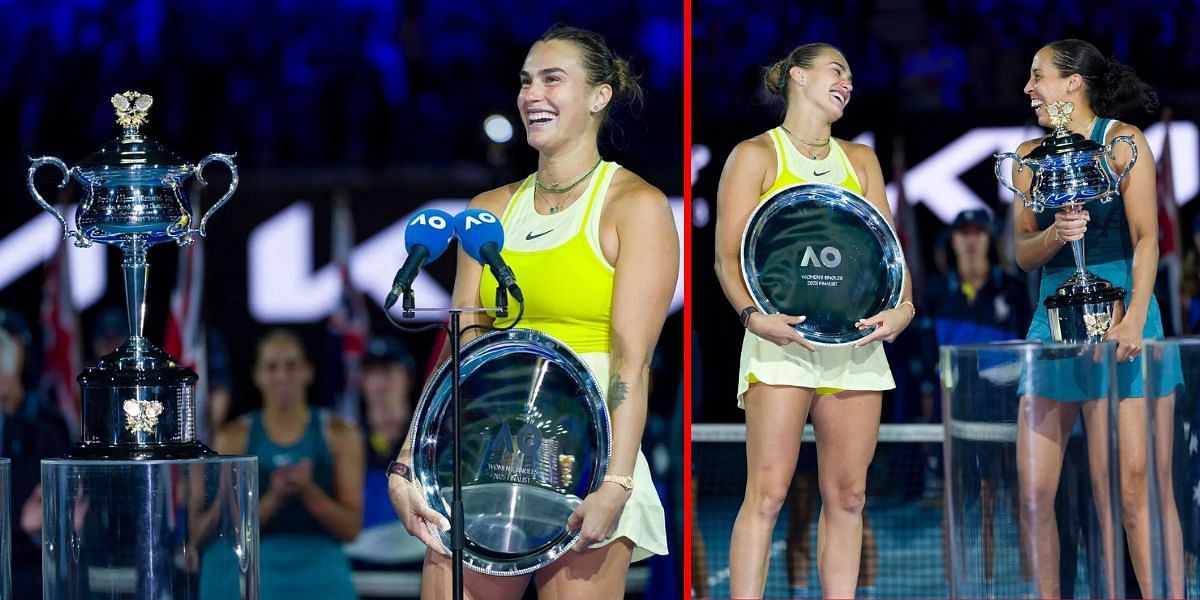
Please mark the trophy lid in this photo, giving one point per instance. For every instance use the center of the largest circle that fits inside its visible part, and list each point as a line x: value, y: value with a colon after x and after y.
x: 132, y: 151
x: 1062, y: 141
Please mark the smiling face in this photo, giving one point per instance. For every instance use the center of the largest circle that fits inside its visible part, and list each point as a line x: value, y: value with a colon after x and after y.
x: 556, y: 101
x: 1046, y: 84
x: 827, y: 84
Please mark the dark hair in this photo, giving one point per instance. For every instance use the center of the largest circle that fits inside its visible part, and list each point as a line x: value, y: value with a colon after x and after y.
x: 601, y: 64
x: 775, y: 77
x: 1113, y: 89
x: 281, y: 335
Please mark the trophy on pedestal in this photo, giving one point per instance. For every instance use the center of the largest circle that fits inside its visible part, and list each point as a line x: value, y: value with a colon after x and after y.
x: 138, y: 403
x: 1068, y: 172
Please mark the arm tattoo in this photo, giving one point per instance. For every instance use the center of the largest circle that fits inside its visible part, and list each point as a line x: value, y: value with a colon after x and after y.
x: 618, y: 390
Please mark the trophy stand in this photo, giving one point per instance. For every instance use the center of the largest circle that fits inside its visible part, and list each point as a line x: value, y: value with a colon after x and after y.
x: 454, y: 332
x: 140, y: 508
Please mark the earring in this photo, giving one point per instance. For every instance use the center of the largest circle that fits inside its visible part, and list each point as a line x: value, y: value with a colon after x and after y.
x: 595, y: 108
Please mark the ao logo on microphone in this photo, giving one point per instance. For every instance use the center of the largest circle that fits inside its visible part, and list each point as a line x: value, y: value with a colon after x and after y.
x: 435, y: 221
x: 478, y: 219
x: 830, y: 257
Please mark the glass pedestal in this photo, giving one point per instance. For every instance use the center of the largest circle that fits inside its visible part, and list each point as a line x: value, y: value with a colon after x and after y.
x: 1173, y: 467
x: 5, y: 529
x: 1032, y: 507
x: 150, y: 529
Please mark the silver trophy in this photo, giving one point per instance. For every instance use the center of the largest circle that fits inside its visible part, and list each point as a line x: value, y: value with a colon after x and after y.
x: 137, y: 401
x: 536, y: 440
x: 824, y: 252
x: 1068, y: 172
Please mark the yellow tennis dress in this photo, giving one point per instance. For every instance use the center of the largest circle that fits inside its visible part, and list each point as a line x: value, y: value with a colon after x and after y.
x: 830, y: 369
x: 568, y: 286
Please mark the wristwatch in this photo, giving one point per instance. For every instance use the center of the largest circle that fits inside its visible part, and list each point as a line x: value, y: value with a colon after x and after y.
x: 625, y: 481
x: 400, y: 468
x: 746, y: 312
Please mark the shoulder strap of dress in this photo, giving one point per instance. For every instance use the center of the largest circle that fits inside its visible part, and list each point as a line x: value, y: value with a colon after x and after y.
x: 1100, y: 131
x: 516, y: 197
x: 781, y: 161
x: 846, y: 164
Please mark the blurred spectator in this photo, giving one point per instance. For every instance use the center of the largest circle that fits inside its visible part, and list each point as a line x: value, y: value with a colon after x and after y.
x: 388, y: 376
x: 310, y: 468
x: 109, y: 331
x: 1191, y: 279
x: 975, y: 301
x: 30, y: 430
x: 935, y: 74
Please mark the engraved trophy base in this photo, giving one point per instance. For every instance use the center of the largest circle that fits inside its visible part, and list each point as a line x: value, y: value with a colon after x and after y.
x: 138, y: 404
x: 1084, y: 308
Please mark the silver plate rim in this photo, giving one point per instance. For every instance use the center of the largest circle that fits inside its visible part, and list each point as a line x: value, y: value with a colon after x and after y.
x: 825, y: 190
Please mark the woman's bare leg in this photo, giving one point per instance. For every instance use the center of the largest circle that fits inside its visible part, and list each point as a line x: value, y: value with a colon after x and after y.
x: 847, y: 428
x: 595, y: 574
x: 1043, y: 428
x: 775, y: 417
x: 437, y: 582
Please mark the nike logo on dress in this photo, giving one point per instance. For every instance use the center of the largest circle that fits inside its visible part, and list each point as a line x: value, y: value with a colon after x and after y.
x: 825, y: 172
x: 530, y: 236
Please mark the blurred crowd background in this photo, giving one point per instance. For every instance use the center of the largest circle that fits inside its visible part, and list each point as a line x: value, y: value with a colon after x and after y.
x: 355, y: 113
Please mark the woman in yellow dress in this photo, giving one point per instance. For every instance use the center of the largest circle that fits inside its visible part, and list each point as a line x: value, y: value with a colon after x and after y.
x: 783, y: 377
x: 596, y: 252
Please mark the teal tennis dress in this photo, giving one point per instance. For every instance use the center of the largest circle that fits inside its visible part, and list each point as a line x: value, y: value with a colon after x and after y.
x: 1108, y: 252
x: 298, y: 558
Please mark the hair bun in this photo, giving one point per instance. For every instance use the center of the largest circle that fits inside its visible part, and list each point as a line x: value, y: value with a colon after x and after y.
x: 775, y: 78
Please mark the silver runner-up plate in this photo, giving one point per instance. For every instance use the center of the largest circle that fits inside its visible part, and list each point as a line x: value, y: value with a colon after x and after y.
x: 536, y: 440
x: 826, y: 253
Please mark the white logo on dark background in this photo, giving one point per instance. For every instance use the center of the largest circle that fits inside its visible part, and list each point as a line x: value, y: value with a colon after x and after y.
x: 830, y: 257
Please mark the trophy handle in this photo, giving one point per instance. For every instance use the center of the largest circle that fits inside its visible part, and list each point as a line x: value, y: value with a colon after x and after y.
x: 233, y: 183
x: 81, y: 241
x: 1000, y: 158
x: 1128, y: 139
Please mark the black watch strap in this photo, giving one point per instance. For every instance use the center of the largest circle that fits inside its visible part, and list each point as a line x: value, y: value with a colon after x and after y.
x: 746, y: 312
x: 400, y: 468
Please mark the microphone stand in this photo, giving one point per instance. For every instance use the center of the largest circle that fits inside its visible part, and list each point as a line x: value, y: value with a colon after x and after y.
x: 454, y: 331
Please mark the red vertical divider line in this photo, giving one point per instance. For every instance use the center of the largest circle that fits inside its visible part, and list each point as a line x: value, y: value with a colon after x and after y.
x: 688, y: 509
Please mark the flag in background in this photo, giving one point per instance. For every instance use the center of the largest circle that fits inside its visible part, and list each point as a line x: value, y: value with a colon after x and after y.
x: 185, y: 334
x: 350, y: 325
x: 1170, y: 266
x: 62, y: 344
x: 906, y: 223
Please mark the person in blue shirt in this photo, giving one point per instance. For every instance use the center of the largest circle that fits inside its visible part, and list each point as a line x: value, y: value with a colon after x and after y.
x: 974, y: 302
x: 388, y: 379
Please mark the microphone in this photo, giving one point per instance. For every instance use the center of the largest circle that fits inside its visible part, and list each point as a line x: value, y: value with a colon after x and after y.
x: 425, y: 238
x: 482, y: 238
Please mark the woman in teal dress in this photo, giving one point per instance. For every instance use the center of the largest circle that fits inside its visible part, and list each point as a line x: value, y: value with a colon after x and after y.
x: 1121, y: 241
x: 310, y: 467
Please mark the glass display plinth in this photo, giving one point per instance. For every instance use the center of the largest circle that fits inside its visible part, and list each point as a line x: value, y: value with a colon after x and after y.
x: 1031, y: 440
x: 150, y: 529
x: 5, y: 529
x: 1173, y: 466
